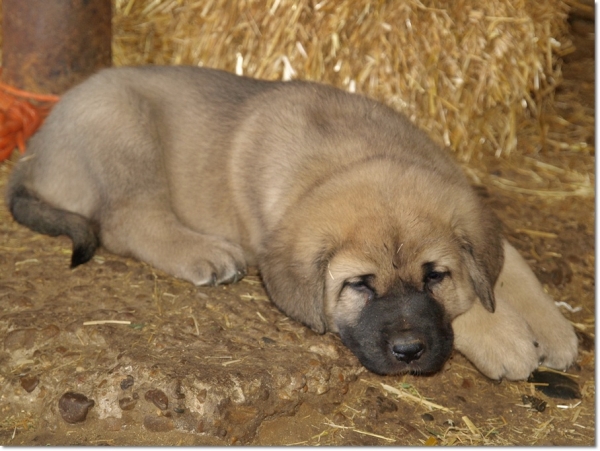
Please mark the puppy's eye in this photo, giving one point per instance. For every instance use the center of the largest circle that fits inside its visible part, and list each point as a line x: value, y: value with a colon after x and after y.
x: 434, y: 277
x: 362, y: 285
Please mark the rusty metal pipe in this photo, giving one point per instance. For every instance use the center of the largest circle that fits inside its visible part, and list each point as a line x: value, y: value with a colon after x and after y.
x: 50, y: 45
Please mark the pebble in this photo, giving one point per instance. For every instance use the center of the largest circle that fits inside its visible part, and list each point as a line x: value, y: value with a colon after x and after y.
x: 127, y: 382
x: 268, y: 340
x: 127, y: 403
x: 29, y: 382
x: 158, y: 398
x: 158, y: 424
x: 73, y: 407
x: 427, y: 417
x: 535, y: 403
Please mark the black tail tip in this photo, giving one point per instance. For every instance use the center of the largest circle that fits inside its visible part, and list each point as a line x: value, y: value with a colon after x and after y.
x: 82, y: 254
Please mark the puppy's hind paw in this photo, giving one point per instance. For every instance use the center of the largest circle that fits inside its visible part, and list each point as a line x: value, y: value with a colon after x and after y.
x: 210, y: 276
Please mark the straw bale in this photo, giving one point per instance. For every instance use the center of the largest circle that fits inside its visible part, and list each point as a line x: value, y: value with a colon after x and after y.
x: 471, y: 72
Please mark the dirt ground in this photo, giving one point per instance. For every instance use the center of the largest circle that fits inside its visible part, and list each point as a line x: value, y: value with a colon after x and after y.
x: 223, y: 366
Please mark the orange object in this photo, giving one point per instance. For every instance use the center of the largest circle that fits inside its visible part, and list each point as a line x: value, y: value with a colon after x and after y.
x: 21, y: 113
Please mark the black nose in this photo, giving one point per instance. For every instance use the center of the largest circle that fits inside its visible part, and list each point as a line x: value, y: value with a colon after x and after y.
x: 407, y: 350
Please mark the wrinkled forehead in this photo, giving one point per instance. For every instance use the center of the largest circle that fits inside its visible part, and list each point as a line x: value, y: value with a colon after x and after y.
x: 396, y: 252
x: 440, y: 252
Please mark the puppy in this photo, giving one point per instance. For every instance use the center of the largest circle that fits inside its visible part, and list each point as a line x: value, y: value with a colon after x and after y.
x: 357, y: 221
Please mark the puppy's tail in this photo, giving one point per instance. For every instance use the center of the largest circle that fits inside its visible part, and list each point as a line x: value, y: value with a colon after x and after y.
x: 42, y: 217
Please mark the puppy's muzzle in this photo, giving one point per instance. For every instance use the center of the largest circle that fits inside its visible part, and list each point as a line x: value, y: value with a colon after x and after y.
x: 403, y: 331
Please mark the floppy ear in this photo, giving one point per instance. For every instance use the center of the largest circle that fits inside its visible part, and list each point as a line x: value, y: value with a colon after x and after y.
x: 294, y: 278
x: 479, y: 271
x: 483, y: 257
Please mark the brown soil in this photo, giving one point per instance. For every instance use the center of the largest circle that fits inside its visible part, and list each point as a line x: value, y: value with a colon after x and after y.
x: 233, y: 370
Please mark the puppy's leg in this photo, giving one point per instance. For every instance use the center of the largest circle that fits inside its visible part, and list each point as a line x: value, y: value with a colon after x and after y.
x: 154, y: 235
x: 525, y: 330
x: 521, y: 289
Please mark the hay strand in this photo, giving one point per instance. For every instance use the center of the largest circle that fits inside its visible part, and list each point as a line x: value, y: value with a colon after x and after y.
x: 471, y: 73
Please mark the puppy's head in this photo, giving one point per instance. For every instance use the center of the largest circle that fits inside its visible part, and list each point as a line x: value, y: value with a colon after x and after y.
x: 388, y: 276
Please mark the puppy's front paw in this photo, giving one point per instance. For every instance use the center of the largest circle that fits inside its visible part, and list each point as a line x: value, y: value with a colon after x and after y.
x: 557, y: 340
x: 518, y: 288
x: 501, y: 344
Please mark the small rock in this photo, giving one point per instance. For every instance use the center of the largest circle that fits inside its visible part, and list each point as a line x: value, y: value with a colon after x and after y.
x: 427, y: 417
x: 158, y: 398
x: 158, y: 424
x: 268, y: 341
x: 127, y: 403
x: 535, y: 403
x: 73, y: 407
x: 127, y: 382
x: 29, y: 382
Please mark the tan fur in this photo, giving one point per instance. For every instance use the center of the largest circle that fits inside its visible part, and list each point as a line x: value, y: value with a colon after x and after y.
x: 526, y: 329
x: 201, y: 173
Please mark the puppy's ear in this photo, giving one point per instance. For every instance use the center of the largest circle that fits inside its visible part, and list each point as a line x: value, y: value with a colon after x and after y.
x: 294, y: 278
x: 483, y: 256
x: 479, y: 273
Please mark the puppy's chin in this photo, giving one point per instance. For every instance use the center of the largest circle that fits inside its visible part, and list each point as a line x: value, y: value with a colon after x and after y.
x: 401, y: 333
